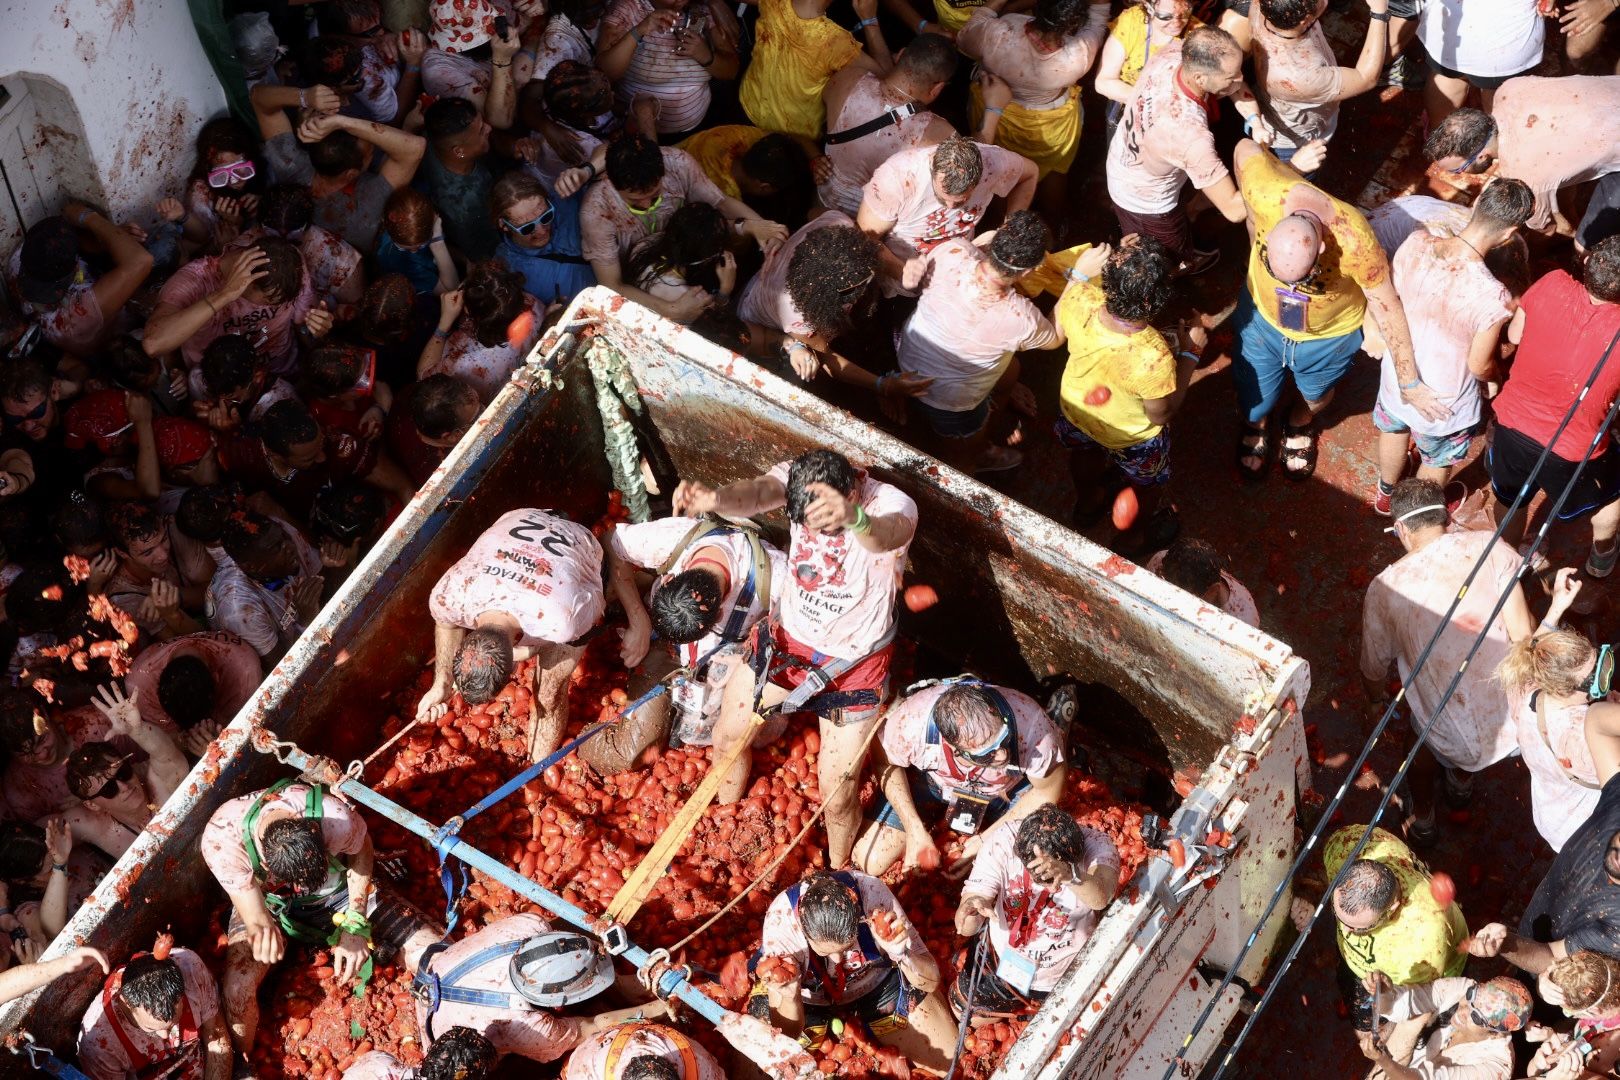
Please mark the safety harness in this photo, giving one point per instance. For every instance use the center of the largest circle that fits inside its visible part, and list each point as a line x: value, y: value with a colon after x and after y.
x: 932, y: 736
x: 434, y: 990
x: 757, y: 584
x: 820, y: 671
x: 305, y: 918
x: 184, y: 1060
x: 627, y: 1032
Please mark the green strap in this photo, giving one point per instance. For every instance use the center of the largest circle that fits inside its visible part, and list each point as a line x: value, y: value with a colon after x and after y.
x: 288, y: 911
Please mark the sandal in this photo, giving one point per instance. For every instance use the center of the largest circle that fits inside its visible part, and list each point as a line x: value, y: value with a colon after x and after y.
x: 1304, y: 456
x: 1252, y: 451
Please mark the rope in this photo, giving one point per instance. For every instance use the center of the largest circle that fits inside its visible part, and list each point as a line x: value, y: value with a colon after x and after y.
x: 770, y: 868
x: 1423, y: 734
x: 398, y: 735
x: 977, y: 963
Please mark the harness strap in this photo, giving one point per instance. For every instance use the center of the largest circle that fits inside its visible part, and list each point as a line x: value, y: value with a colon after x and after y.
x: 870, y: 952
x: 144, y: 1066
x: 877, y: 123
x: 288, y: 910
x: 758, y: 582
x: 438, y: 989
x: 818, y: 675
x: 626, y: 1032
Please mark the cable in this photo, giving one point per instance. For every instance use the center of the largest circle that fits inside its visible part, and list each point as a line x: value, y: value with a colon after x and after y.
x: 976, y: 962
x: 1366, y: 751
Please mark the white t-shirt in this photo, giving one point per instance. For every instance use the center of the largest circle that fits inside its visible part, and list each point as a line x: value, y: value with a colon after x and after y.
x: 1488, y: 38
x: 863, y: 971
x: 1399, y: 218
x: 623, y: 1044
x: 906, y: 744
x: 902, y: 191
x: 839, y: 597
x: 343, y: 832
x: 542, y: 569
x: 649, y: 544
x: 1056, y: 927
x: 101, y: 1051
x: 1449, y: 298
x: 961, y: 334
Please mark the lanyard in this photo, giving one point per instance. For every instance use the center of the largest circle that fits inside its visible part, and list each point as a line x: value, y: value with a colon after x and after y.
x: 1024, y: 912
x: 182, y: 1057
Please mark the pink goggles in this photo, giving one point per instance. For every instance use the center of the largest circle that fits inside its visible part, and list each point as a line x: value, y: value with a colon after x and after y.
x: 226, y: 174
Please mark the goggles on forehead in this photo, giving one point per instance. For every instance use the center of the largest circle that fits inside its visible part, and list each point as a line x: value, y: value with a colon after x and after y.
x: 1465, y: 166
x: 545, y: 219
x: 1413, y: 513
x: 222, y: 175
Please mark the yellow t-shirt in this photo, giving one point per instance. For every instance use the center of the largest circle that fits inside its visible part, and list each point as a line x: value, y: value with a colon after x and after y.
x: 1351, y: 262
x: 954, y: 14
x: 717, y: 150
x: 793, y: 59
x: 1133, y: 368
x: 1130, y: 28
x: 1420, y: 943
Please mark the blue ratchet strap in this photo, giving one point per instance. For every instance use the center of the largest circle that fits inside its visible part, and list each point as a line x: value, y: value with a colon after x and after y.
x: 436, y: 990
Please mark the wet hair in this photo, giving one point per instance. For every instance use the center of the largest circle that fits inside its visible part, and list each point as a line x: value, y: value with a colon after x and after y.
x: 18, y: 708
x: 186, y: 689
x: 690, y: 244
x: 494, y: 297
x: 1138, y: 280
x: 1590, y: 982
x: 338, y: 153
x: 573, y: 94
x: 80, y: 523
x: 686, y: 607
x: 332, y: 368
x: 1206, y: 49
x: 1505, y: 203
x: 649, y: 1067
x: 483, y: 665
x: 286, y: 208
x: 283, y: 272
x: 1193, y: 565
x: 1059, y: 18
x: 22, y: 850
x: 1412, y: 493
x: 958, y: 165
x: 408, y: 217
x: 513, y: 188
x: 778, y: 162
x: 635, y: 163
x: 24, y: 377
x: 448, y: 117
x: 829, y: 910
x: 225, y: 135
x: 1602, y: 276
x: 1463, y: 134
x: 459, y: 1054
x: 1555, y: 662
x: 1020, y: 244
x: 203, y: 512
x: 1287, y: 14
x: 829, y: 268
x: 91, y: 760
x: 436, y: 403
x: 817, y: 467
x: 134, y: 521
x: 50, y: 250
x: 128, y: 365
x: 1051, y: 831
x: 388, y: 308
x: 929, y: 59
x: 332, y: 61
x: 250, y: 539
x: 287, y: 424
x: 964, y: 708
x: 1367, y: 886
x: 229, y: 362
x: 294, y: 852
x: 347, y: 511
x: 339, y: 16
x: 1509, y: 263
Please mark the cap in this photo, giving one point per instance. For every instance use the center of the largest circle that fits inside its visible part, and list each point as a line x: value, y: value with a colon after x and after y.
x: 1502, y: 1004
x: 180, y: 442
x: 460, y: 25
x: 100, y: 417
x: 560, y: 968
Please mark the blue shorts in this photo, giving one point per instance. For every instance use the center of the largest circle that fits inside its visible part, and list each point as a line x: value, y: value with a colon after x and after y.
x: 1265, y: 354
x: 1435, y: 451
x: 926, y: 793
x: 955, y: 425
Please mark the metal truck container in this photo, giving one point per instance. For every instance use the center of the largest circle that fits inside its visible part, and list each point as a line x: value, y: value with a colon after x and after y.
x: 1021, y: 597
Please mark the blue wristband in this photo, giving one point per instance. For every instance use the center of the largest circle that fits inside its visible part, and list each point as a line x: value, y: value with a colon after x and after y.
x: 1413, y: 385
x: 993, y: 109
x: 864, y: 23
x: 920, y: 24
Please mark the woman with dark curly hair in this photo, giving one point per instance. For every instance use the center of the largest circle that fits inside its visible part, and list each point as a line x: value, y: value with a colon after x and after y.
x: 486, y: 328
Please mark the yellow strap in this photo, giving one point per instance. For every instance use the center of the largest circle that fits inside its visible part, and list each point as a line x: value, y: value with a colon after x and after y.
x: 639, y: 885
x: 689, y: 1069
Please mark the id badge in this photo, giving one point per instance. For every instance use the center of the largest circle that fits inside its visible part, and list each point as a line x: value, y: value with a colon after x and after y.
x: 1293, y: 310
x: 967, y: 816
x: 1016, y: 970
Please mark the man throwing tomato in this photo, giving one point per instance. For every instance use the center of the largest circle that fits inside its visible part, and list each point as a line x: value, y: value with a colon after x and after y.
x: 531, y: 586
x: 826, y: 649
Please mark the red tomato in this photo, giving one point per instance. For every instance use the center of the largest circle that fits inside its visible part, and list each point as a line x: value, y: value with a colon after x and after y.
x: 1099, y: 396
x: 921, y: 598
x: 1125, y: 508
x: 1442, y: 888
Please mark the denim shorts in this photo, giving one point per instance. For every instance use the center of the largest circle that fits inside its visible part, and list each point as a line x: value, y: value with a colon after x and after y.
x: 955, y: 425
x: 1265, y: 354
x: 1144, y: 464
x: 1435, y: 451
x: 925, y: 794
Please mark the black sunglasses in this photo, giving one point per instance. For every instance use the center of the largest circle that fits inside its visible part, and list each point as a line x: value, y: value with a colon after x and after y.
x: 37, y: 413
x: 110, y: 788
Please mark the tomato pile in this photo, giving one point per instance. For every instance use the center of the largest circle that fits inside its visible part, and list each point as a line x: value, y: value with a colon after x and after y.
x: 581, y: 835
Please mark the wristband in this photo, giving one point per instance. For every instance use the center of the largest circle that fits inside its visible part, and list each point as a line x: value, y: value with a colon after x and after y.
x: 436, y: 240
x: 1379, y: 16
x: 636, y: 34
x: 498, y: 64
x: 920, y: 24
x: 881, y: 379
x: 1413, y: 385
x: 1075, y: 275
x: 1184, y: 354
x: 209, y: 300
x: 864, y: 23
x: 591, y: 165
x: 352, y: 922
x: 1549, y: 627
x: 302, y: 104
x: 992, y: 109
x: 416, y: 68
x: 60, y: 868
x: 78, y: 219
x: 18, y: 933
x: 442, y: 335
x: 1248, y: 124
x: 862, y: 524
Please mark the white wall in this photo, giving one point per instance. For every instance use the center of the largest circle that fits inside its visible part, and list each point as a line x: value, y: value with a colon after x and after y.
x: 141, y: 85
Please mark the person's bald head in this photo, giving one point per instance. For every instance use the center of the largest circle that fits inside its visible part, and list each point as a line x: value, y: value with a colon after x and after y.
x: 1292, y: 247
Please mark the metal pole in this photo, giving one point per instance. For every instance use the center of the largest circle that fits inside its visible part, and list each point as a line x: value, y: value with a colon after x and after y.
x: 672, y: 982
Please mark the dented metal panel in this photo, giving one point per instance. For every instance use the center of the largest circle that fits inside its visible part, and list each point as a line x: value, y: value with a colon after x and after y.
x: 1021, y: 597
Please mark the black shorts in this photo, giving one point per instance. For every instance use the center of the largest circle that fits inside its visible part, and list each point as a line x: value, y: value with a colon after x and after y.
x: 1512, y: 456
x: 1478, y: 82
x: 1602, y: 219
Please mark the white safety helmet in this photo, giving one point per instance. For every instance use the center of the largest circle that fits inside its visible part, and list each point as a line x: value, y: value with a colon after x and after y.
x: 559, y: 969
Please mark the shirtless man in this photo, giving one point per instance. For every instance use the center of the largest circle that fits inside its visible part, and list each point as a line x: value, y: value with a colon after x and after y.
x: 530, y: 586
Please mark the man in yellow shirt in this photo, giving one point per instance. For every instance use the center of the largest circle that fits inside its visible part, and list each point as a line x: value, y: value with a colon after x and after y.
x: 796, y: 50
x: 1121, y: 385
x: 1388, y: 919
x: 1315, y: 272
